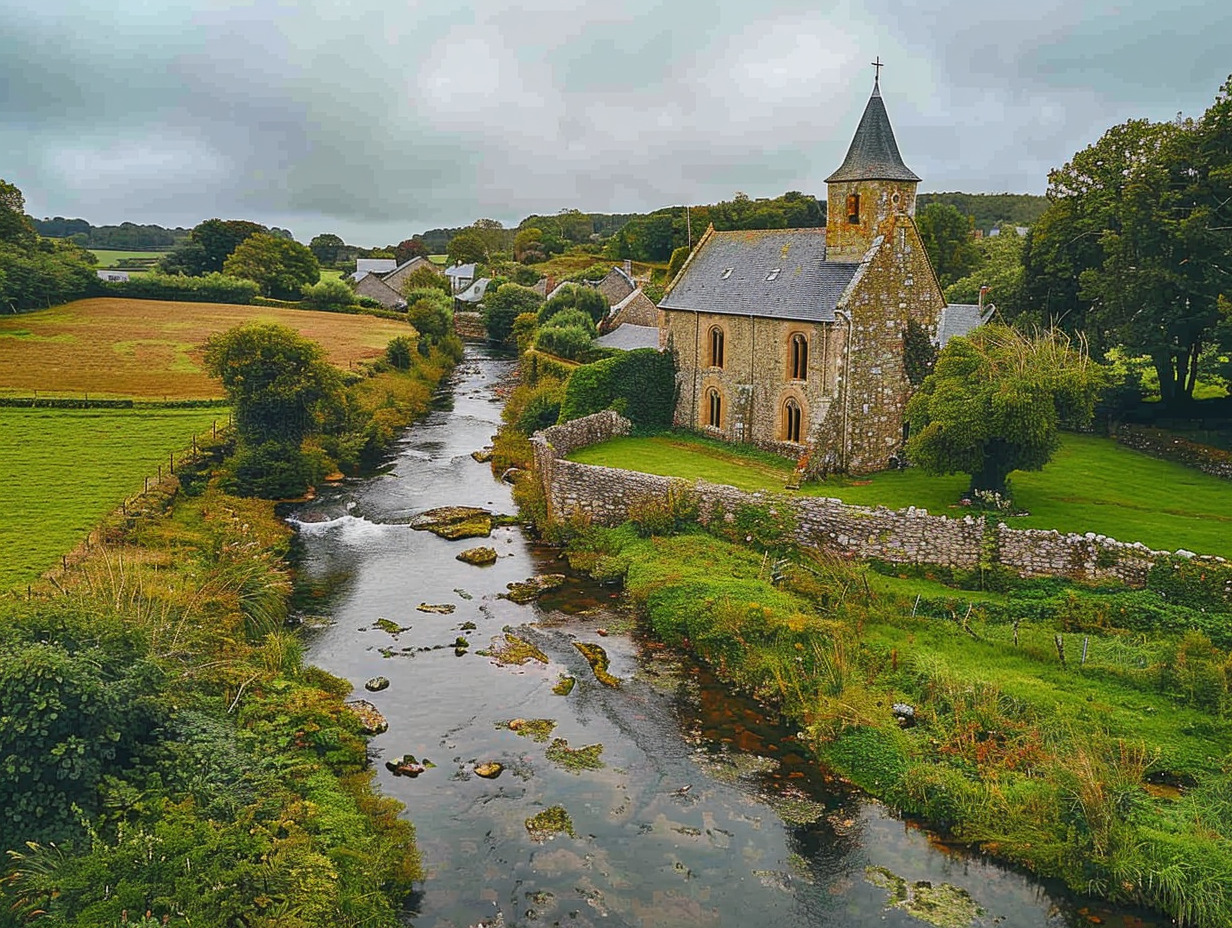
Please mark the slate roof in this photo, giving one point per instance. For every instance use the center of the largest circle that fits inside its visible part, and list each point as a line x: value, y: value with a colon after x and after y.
x: 474, y: 293
x: 959, y: 319
x: 627, y: 337
x: 806, y: 287
x: 461, y: 271
x: 873, y: 154
x: 375, y: 265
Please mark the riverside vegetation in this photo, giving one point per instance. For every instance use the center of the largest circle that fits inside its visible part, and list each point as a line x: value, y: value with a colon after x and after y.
x: 1082, y: 733
x: 165, y: 750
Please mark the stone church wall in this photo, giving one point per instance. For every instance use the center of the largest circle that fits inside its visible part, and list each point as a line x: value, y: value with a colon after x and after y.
x: 905, y: 536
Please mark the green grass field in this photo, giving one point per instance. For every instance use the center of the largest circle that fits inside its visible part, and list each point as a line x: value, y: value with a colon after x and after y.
x: 64, y: 470
x: 108, y: 256
x: 1091, y: 485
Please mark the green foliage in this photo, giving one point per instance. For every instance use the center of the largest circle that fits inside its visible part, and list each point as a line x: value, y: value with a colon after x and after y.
x: 327, y: 295
x: 679, y: 256
x: 16, y: 228
x: 587, y: 300
x: 948, y: 239
x: 281, y: 267
x: 500, y: 309
x: 640, y: 384
x: 426, y: 278
x: 1000, y: 269
x: 540, y: 407
x: 37, y: 272
x: 74, y: 712
x: 467, y: 247
x: 431, y: 313
x: 210, y: 288
x: 572, y: 342
x: 919, y: 353
x: 666, y: 515
x: 399, y: 352
x: 995, y: 402
x: 1199, y: 585
x: 326, y: 248
x: 413, y: 247
x: 212, y: 242
x: 988, y: 211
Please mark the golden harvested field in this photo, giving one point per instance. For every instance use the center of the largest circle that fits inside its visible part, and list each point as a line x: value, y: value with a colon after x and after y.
x: 153, y: 349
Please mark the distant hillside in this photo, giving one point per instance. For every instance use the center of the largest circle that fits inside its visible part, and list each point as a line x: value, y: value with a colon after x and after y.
x: 989, y: 210
x: 127, y: 236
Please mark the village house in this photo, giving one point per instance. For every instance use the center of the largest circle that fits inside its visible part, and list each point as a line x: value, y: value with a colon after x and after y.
x: 383, y: 279
x: 806, y: 341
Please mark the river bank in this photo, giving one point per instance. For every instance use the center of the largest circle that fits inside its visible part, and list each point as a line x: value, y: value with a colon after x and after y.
x: 679, y: 802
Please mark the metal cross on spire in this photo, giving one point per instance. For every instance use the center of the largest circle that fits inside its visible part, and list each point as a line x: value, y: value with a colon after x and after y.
x: 878, y: 66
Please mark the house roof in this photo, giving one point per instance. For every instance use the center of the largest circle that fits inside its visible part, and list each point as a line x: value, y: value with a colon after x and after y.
x: 461, y: 270
x: 735, y: 273
x: 627, y: 337
x: 417, y: 260
x: 959, y: 319
x: 614, y: 309
x: 873, y: 154
x: 474, y: 293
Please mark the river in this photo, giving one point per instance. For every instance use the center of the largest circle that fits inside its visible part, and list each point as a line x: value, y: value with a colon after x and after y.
x: 703, y: 813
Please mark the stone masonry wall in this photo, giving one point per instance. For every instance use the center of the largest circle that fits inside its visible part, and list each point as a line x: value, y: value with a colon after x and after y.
x: 905, y: 536
x: 469, y: 325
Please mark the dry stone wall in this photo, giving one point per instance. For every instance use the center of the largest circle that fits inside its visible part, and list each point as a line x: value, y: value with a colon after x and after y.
x: 905, y: 536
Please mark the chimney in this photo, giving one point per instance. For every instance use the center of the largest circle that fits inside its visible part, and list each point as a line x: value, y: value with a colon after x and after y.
x: 629, y: 267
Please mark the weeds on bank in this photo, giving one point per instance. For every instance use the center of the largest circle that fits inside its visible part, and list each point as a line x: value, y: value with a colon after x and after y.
x: 1109, y: 770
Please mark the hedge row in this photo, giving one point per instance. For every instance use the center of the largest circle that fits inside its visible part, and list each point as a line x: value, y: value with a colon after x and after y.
x: 68, y: 402
x: 640, y: 385
x: 212, y: 288
x: 1162, y: 444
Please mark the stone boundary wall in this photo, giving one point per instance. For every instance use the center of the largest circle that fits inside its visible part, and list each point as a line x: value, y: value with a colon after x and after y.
x: 1160, y: 444
x: 904, y: 536
x: 469, y: 325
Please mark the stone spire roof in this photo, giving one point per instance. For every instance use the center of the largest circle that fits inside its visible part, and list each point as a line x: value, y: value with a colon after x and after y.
x: 873, y: 154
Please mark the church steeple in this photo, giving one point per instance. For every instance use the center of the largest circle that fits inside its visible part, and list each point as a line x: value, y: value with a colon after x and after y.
x: 870, y: 187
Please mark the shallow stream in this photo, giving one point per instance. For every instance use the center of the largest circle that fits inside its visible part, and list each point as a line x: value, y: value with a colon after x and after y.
x: 703, y: 813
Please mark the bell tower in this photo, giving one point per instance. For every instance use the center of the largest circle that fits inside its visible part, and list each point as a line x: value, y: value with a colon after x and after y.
x: 870, y: 187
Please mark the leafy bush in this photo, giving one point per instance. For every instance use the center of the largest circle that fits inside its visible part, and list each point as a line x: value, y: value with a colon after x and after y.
x: 541, y: 408
x: 398, y: 352
x: 668, y: 515
x: 569, y: 341
x: 573, y: 296
x: 641, y: 383
x: 431, y: 313
x: 212, y: 288
x: 500, y: 309
x: 570, y: 318
x: 329, y: 294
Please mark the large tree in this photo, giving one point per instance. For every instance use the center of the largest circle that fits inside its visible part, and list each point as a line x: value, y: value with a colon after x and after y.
x: 1135, y: 244
x: 948, y: 239
x: 995, y: 403
x: 501, y: 308
x: 219, y: 238
x: 325, y: 247
x: 468, y: 247
x: 280, y: 267
x: 281, y: 390
x: 413, y: 247
x: 15, y: 225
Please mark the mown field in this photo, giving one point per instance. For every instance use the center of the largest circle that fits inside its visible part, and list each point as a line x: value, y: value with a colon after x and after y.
x: 65, y: 469
x: 153, y: 349
x: 1091, y: 485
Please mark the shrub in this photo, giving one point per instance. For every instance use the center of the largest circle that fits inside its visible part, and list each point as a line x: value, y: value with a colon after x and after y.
x: 272, y: 470
x: 570, y: 317
x: 641, y: 382
x: 569, y: 341
x: 652, y: 515
x: 329, y: 294
x: 212, y: 288
x: 503, y: 307
x: 541, y: 409
x: 573, y: 296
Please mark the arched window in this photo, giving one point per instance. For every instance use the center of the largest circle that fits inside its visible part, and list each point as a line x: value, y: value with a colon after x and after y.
x: 714, y: 411
x: 853, y: 208
x: 716, y: 347
x: 791, y: 421
x: 799, y: 357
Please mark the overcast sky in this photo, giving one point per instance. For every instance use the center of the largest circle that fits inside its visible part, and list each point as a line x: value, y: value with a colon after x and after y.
x: 379, y: 120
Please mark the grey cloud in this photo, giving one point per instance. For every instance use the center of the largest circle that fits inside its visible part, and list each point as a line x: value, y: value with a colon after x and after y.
x: 375, y: 121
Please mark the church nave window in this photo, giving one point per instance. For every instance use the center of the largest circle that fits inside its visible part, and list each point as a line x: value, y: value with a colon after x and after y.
x: 791, y: 421
x: 714, y: 410
x: 716, y: 347
x: 799, y: 357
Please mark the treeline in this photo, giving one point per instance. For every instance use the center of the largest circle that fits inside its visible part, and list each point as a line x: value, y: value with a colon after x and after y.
x: 988, y: 211
x: 127, y: 236
x: 37, y: 272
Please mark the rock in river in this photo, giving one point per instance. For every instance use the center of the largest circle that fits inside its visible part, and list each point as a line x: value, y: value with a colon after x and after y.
x: 480, y: 557
x: 370, y: 718
x: 455, y: 522
x: 376, y: 684
x: 532, y: 588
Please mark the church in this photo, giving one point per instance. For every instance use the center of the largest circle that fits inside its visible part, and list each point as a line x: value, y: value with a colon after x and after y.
x: 807, y: 341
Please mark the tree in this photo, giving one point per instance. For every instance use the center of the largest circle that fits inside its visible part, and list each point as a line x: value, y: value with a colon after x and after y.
x: 575, y: 296
x: 1133, y: 245
x: 467, y: 247
x: 325, y: 248
x: 527, y: 241
x: 995, y: 403
x: 1000, y: 269
x: 280, y: 267
x: 329, y: 294
x: 188, y: 258
x: 679, y: 256
x: 15, y: 225
x: 494, y: 235
x: 220, y: 237
x: 426, y: 277
x: 413, y: 247
x: 281, y: 390
x: 948, y: 240
x: 431, y: 313
x: 504, y: 306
